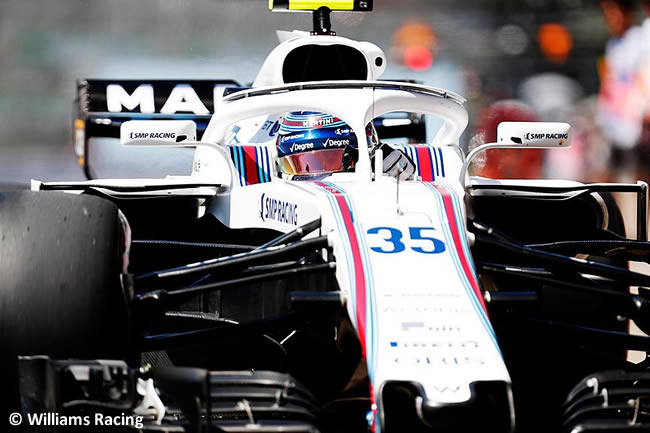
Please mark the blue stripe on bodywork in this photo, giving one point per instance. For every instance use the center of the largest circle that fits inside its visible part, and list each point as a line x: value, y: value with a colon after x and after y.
x: 435, y: 156
x: 442, y: 162
x: 433, y: 166
x: 259, y: 160
x: 242, y: 164
x: 267, y: 164
x: 235, y: 159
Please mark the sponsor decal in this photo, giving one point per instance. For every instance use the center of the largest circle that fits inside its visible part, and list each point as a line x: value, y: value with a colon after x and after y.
x: 291, y: 137
x: 151, y: 135
x: 274, y: 130
x: 343, y: 131
x: 336, y: 143
x: 425, y: 344
x: 278, y: 210
x: 547, y: 136
x: 300, y: 147
x: 183, y: 98
x: 318, y: 122
x: 142, y: 96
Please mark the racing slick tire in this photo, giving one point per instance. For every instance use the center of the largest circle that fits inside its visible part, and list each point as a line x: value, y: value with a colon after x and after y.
x: 61, y: 260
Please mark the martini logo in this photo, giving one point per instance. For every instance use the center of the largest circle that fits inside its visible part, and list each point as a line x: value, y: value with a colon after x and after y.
x: 278, y: 210
x: 319, y: 122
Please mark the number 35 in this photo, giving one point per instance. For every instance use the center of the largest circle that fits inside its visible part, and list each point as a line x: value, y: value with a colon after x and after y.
x: 394, y: 237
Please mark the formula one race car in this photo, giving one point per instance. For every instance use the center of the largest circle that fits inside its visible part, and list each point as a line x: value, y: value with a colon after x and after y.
x: 322, y: 268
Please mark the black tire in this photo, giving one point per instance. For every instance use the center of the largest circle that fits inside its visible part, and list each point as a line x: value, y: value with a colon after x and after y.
x: 61, y: 257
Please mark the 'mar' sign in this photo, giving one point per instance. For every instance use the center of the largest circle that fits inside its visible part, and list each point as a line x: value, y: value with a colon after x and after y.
x: 182, y: 98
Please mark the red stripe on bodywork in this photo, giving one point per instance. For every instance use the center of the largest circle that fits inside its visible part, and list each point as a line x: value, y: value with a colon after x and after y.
x: 250, y: 159
x: 424, y: 159
x: 451, y: 217
x: 359, y: 275
x: 373, y: 408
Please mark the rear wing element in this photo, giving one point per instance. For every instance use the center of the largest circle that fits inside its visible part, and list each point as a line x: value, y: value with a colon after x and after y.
x: 103, y: 105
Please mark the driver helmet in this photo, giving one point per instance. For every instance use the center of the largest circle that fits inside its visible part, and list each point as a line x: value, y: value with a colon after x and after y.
x: 310, y: 143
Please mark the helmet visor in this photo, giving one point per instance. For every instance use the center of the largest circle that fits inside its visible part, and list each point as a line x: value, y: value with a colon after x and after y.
x: 315, y: 162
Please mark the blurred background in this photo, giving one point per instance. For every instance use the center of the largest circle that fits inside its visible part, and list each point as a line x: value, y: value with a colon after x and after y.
x: 582, y: 61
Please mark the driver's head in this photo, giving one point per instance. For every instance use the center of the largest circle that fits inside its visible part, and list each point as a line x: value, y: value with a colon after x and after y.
x: 311, y: 143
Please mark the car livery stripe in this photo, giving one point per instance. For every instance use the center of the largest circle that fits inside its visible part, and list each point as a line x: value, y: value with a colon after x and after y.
x: 259, y: 160
x: 417, y: 161
x: 234, y: 151
x: 363, y: 290
x: 250, y: 157
x: 456, y: 226
x: 435, y: 157
x: 252, y: 164
x: 411, y: 153
x: 262, y: 161
x: 267, y: 165
x: 463, y: 233
x: 234, y: 159
x: 426, y: 167
x: 428, y: 161
x: 359, y: 274
x: 460, y: 253
x: 242, y: 165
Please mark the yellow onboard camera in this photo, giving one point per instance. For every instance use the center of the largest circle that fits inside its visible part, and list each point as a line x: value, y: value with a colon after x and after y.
x: 313, y: 5
x: 321, y: 10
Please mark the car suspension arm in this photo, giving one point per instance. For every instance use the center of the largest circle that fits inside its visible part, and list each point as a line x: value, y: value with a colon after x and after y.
x: 243, y: 260
x: 493, y: 239
x: 160, y: 297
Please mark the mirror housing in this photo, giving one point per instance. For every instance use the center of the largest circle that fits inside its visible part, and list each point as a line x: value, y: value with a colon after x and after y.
x: 534, y: 134
x: 157, y: 132
x: 520, y: 135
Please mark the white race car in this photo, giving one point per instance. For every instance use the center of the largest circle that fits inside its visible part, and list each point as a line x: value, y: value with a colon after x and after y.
x: 322, y: 267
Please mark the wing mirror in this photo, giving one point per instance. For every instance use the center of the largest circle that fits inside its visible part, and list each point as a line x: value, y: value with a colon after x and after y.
x: 534, y: 134
x: 157, y: 132
x: 211, y: 161
x: 519, y: 135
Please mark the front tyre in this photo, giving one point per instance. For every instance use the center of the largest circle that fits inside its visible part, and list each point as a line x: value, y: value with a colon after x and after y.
x: 61, y: 260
